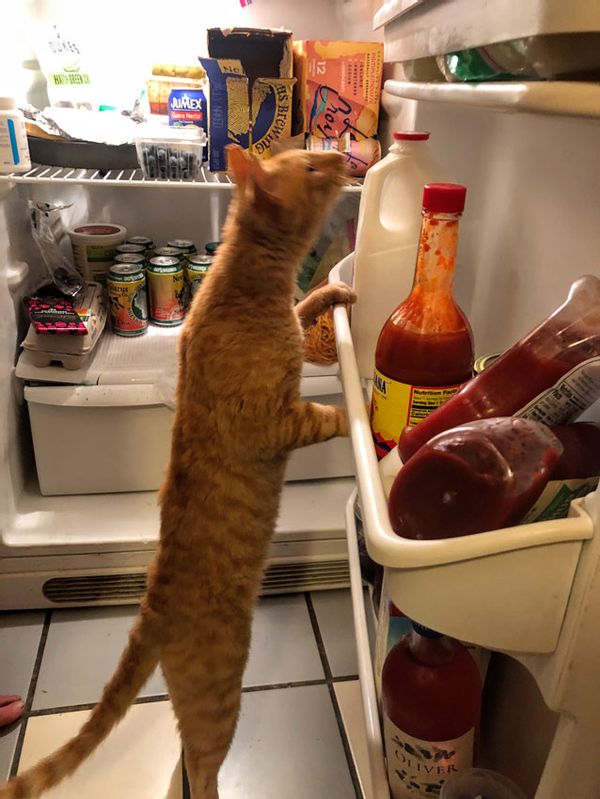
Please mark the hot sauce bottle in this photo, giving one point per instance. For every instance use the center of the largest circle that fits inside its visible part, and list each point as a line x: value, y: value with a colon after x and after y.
x: 431, y: 697
x: 425, y: 349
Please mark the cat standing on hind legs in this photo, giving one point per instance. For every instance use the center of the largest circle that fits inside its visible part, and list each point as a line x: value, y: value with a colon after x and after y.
x: 238, y: 415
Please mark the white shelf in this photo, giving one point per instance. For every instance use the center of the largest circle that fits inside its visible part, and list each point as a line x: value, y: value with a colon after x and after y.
x: 119, y: 360
x: 309, y: 510
x: 125, y: 177
x: 561, y: 98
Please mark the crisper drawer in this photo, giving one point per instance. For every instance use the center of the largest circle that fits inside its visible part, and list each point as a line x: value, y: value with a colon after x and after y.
x: 105, y: 439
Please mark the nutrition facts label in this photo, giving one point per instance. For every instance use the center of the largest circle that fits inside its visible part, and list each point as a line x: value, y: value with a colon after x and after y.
x: 567, y: 398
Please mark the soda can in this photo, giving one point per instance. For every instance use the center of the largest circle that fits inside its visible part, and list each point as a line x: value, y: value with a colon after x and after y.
x: 166, y: 291
x: 147, y: 244
x: 127, y: 299
x: 186, y: 246
x: 197, y: 269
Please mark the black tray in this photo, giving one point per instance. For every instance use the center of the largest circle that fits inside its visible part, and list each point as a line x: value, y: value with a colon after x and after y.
x: 85, y: 155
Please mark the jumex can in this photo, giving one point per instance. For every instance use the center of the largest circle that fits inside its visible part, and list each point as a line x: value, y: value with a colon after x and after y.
x: 166, y: 291
x: 127, y: 297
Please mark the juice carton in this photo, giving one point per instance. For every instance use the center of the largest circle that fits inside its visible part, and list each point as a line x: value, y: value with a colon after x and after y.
x: 339, y: 87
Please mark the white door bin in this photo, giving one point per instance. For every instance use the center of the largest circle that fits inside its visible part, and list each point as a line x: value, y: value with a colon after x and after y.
x: 504, y: 589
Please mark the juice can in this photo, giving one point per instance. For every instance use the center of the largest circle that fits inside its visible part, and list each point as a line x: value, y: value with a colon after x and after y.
x: 198, y: 266
x: 169, y: 252
x: 127, y: 297
x: 137, y: 249
x: 131, y: 258
x: 166, y: 290
x: 186, y: 246
x: 146, y: 242
x: 211, y: 247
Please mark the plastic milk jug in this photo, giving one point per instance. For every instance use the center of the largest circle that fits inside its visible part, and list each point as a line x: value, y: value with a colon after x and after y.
x: 389, y: 222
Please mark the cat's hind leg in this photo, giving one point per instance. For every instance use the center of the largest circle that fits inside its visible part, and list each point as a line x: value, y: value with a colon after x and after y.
x: 204, y: 679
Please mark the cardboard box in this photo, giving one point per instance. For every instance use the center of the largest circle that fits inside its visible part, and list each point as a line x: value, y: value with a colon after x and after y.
x: 339, y: 87
x: 264, y: 52
x: 228, y: 109
x: 230, y: 99
x: 271, y: 113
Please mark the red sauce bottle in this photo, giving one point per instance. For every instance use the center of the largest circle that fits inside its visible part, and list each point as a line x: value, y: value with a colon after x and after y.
x: 569, y: 338
x: 425, y: 349
x: 431, y: 696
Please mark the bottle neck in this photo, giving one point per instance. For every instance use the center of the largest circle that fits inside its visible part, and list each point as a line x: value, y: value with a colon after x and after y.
x: 431, y: 651
x: 436, y: 257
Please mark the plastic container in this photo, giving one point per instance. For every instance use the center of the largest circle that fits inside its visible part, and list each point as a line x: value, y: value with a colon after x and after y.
x: 94, y: 248
x: 551, y: 375
x: 387, y: 236
x: 72, y: 352
x: 14, y: 151
x: 424, y: 352
x: 479, y: 783
x: 171, y: 153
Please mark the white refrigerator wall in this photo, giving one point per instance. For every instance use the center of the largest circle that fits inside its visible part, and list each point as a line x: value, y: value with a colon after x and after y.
x: 122, y: 40
x: 530, y: 225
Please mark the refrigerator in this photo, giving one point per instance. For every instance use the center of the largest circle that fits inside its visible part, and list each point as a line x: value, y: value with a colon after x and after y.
x: 527, y: 152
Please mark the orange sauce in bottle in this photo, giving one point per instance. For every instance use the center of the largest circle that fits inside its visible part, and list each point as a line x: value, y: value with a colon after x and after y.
x: 425, y: 349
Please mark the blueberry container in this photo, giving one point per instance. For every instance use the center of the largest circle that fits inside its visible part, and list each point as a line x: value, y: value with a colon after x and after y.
x: 171, y: 153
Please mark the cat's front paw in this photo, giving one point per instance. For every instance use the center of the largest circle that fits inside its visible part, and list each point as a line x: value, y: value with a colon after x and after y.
x: 341, y: 293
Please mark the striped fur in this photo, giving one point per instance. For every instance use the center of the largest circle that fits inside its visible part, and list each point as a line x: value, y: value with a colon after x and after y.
x: 238, y: 415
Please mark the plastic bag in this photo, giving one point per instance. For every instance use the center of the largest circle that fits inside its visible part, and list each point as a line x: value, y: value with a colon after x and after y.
x: 61, y: 272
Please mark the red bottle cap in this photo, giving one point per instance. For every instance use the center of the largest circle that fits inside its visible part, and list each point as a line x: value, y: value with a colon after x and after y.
x: 411, y: 135
x: 445, y: 198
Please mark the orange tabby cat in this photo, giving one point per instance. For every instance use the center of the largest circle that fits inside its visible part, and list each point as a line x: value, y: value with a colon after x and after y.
x: 238, y: 415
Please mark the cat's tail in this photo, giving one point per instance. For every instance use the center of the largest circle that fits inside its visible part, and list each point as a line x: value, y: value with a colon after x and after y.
x: 135, y: 667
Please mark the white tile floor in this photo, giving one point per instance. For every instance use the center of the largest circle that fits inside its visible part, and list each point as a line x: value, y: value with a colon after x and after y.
x: 300, y: 731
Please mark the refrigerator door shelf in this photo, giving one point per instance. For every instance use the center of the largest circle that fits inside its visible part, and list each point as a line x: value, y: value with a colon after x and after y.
x: 504, y: 589
x: 116, y: 438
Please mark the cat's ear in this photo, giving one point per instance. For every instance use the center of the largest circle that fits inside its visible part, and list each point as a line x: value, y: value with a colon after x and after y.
x: 239, y: 163
x: 247, y: 171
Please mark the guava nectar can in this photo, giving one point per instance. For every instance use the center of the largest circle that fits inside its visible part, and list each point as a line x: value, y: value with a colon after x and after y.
x: 166, y: 290
x: 127, y: 297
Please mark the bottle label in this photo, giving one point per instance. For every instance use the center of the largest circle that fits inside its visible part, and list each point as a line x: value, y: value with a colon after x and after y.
x: 555, y: 499
x: 417, y: 769
x: 395, y: 405
x: 568, y: 397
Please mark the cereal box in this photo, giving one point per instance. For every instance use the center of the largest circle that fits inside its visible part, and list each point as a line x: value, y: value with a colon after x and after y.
x: 339, y: 87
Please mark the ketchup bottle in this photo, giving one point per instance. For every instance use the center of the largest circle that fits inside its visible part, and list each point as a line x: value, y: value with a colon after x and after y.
x: 425, y: 349
x: 431, y: 697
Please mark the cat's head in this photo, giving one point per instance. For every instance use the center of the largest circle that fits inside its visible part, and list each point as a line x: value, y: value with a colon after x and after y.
x: 288, y: 195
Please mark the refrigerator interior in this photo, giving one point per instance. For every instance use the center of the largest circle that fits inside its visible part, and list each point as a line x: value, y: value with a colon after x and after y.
x: 90, y: 535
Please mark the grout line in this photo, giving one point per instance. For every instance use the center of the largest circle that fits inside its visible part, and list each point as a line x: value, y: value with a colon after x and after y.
x: 330, y: 686
x: 298, y: 684
x: 49, y: 711
x: 31, y: 693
